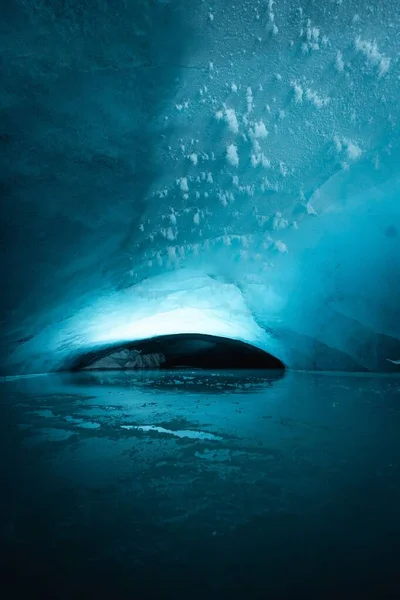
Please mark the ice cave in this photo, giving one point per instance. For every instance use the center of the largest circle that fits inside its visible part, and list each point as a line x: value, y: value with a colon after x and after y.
x: 226, y: 168
x: 200, y: 238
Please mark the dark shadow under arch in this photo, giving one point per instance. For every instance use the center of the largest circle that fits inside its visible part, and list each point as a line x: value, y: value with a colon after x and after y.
x: 193, y: 350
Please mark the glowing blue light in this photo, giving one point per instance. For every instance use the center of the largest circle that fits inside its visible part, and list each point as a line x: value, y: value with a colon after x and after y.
x: 176, y: 304
x: 180, y: 320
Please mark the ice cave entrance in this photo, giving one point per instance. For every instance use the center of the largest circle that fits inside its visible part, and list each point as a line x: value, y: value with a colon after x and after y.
x: 186, y: 350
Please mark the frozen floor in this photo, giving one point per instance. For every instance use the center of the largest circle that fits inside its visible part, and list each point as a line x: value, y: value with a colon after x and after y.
x: 196, y: 484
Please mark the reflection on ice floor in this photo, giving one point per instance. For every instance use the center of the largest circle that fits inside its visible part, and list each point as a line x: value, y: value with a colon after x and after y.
x: 187, y: 484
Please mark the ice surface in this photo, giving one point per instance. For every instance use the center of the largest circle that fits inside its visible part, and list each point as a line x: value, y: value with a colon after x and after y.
x: 167, y: 169
x: 201, y: 481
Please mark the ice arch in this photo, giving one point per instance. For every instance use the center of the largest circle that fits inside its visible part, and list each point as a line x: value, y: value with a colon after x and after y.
x: 231, y: 169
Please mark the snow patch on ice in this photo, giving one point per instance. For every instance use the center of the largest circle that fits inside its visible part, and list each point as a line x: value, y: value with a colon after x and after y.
x: 339, y: 64
x: 259, y: 131
x: 374, y: 57
x: 183, y: 184
x: 316, y: 99
x: 298, y: 92
x: 231, y: 119
x: 352, y: 150
x: 281, y: 247
x: 180, y: 433
x: 249, y: 99
x: 47, y: 414
x: 260, y: 159
x: 232, y: 155
x: 88, y: 425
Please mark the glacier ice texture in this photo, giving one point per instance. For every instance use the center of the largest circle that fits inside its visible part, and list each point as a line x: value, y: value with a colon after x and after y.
x: 166, y: 169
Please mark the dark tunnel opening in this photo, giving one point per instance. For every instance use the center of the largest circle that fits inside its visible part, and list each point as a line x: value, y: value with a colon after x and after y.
x: 186, y: 350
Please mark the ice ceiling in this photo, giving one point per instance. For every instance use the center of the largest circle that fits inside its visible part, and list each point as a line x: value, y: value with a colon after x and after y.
x: 228, y: 167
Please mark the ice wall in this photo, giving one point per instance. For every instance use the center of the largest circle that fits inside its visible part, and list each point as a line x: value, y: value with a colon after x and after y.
x: 224, y: 168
